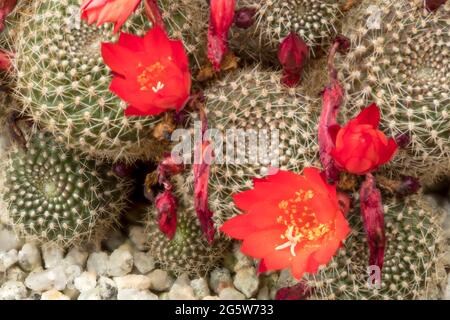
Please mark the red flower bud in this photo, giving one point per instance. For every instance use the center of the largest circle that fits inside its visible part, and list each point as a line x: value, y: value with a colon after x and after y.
x: 244, y: 18
x: 373, y: 218
x: 220, y: 21
x: 433, y: 5
x: 166, y: 206
x: 403, y: 140
x: 292, y: 55
x: 6, y: 6
x: 360, y: 146
x: 5, y: 60
x: 153, y: 13
x: 300, y: 291
x: 407, y: 186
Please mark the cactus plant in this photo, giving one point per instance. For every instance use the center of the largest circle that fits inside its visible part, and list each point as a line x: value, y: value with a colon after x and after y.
x: 399, y: 59
x: 188, y: 251
x: 252, y: 99
x: 54, y: 195
x: 314, y: 20
x: 412, y: 269
x: 63, y: 83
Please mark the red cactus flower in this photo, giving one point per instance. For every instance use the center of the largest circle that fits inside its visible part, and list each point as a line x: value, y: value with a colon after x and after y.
x: 360, y: 146
x: 166, y: 206
x: 6, y: 6
x: 220, y: 21
x: 292, y: 54
x: 290, y: 220
x: 103, y: 11
x: 150, y: 73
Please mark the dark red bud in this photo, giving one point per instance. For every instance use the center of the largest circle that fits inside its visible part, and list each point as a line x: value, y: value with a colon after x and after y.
x: 407, y: 186
x: 344, y: 44
x: 122, y: 170
x: 244, y: 18
x: 292, y: 54
x: 403, y: 140
x: 300, y: 291
x: 433, y: 5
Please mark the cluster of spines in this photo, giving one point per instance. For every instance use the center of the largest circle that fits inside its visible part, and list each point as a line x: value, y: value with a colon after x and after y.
x: 412, y: 268
x: 188, y: 251
x: 54, y: 195
x: 399, y: 60
x: 252, y: 99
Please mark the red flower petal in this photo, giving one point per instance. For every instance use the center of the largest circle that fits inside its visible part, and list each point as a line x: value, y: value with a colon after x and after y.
x: 253, y: 246
x: 370, y: 115
x: 238, y: 227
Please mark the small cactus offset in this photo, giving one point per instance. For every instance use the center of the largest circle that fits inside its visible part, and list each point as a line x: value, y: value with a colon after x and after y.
x: 399, y: 59
x: 188, y: 251
x: 63, y: 82
x: 54, y: 195
x: 245, y: 101
x: 314, y: 20
x: 413, y: 267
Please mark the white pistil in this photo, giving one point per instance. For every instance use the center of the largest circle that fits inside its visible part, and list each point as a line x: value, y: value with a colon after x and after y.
x: 158, y: 87
x: 292, y: 241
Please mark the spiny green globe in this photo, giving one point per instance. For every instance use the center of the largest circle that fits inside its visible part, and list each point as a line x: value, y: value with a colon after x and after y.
x: 412, y: 268
x: 188, y: 251
x: 313, y: 20
x: 399, y: 59
x: 54, y: 195
x: 63, y: 82
x: 272, y: 125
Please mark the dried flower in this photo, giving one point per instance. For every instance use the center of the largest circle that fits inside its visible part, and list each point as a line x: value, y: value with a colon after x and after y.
x: 373, y: 218
x: 300, y: 291
x: 433, y: 5
x: 220, y: 21
x: 244, y: 18
x: 166, y: 206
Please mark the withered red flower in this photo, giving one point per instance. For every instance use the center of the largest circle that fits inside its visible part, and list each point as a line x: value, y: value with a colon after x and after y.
x: 166, y: 206
x: 150, y: 73
x: 6, y: 7
x: 359, y: 146
x: 292, y: 54
x: 373, y: 218
x: 220, y: 21
x: 290, y: 220
x: 244, y: 17
x: 300, y: 291
x: 103, y: 11
x: 5, y: 60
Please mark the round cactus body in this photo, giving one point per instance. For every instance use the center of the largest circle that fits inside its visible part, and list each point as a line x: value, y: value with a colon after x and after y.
x: 399, y: 59
x: 63, y: 82
x: 272, y: 126
x: 412, y: 268
x: 314, y: 20
x: 54, y: 195
x: 188, y: 251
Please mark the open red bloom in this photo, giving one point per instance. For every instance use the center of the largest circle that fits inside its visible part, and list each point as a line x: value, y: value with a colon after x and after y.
x: 103, y: 11
x: 220, y: 21
x: 290, y: 220
x: 360, y: 146
x: 150, y: 73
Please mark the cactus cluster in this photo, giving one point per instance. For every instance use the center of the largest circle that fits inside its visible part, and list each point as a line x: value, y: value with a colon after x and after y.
x: 254, y: 102
x: 400, y: 59
x: 412, y: 268
x: 188, y: 251
x: 314, y: 20
x: 63, y: 83
x: 54, y: 195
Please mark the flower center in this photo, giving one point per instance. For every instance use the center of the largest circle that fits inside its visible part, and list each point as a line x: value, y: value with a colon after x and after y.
x: 149, y: 79
x: 300, y: 221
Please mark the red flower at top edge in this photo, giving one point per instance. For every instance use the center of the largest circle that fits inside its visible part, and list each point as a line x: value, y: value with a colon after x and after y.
x: 150, y: 73
x: 290, y: 220
x: 103, y: 11
x: 360, y: 147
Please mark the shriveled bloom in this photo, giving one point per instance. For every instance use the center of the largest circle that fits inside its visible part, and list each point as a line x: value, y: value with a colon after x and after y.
x: 220, y: 20
x: 290, y: 220
x: 151, y: 73
x: 359, y: 146
x: 292, y: 54
x: 103, y: 11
